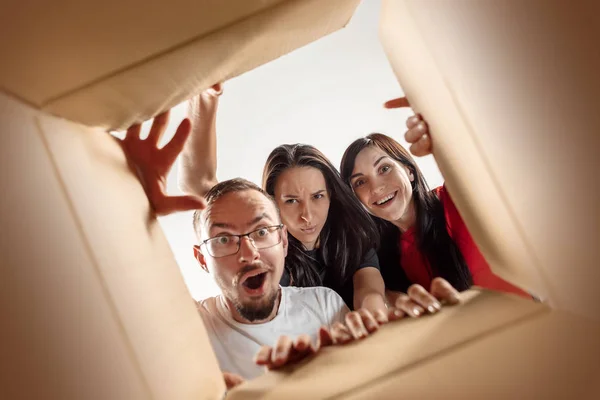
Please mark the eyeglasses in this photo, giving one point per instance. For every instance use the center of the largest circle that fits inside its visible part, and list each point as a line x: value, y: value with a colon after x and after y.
x: 227, y: 245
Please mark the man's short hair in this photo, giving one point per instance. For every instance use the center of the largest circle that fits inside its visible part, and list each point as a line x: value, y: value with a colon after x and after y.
x: 223, y: 188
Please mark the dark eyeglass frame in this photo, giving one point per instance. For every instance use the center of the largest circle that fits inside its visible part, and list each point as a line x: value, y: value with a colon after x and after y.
x: 239, y: 242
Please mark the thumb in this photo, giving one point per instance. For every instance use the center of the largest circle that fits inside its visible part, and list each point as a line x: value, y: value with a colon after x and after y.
x: 400, y: 102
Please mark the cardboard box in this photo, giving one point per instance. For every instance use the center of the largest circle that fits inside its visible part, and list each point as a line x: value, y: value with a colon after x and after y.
x: 93, y: 301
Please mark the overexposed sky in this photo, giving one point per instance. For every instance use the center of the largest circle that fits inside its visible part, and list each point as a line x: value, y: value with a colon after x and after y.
x: 325, y: 94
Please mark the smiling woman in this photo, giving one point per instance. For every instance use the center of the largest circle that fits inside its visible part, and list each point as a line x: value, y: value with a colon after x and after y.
x: 422, y: 234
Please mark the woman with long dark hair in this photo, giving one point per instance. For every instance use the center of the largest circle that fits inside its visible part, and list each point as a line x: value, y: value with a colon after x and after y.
x: 332, y: 239
x: 422, y: 233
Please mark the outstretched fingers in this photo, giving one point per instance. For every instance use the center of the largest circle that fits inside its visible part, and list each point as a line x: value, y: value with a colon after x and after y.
x: 159, y: 125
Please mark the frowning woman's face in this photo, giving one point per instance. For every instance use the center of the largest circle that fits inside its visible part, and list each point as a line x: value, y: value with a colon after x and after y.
x: 303, y: 200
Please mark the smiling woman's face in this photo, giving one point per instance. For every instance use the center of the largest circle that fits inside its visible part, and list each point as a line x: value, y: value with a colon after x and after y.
x: 382, y: 184
x: 303, y: 200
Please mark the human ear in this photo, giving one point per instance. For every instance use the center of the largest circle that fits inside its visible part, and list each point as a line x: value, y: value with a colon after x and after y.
x: 200, y: 257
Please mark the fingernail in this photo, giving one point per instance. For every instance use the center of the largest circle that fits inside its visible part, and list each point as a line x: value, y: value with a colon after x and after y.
x: 397, y: 313
x: 431, y: 309
x: 437, y: 305
x: 416, y: 311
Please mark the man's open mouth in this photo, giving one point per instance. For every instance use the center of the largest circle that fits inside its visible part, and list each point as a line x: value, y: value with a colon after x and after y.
x: 256, y: 281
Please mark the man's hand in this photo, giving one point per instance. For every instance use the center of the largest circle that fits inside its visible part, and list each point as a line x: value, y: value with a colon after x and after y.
x: 358, y: 325
x: 287, y: 351
x: 418, y: 130
x: 153, y: 164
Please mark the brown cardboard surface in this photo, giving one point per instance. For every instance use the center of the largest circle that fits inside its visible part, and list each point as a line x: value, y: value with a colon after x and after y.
x: 59, y: 338
x: 395, y: 349
x: 96, y: 306
x: 493, y: 346
x: 57, y: 47
x: 552, y: 355
x: 511, y: 93
x: 456, y: 149
x: 96, y: 303
x: 164, y: 55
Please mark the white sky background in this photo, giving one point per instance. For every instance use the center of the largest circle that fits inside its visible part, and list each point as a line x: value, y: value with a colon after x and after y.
x: 325, y: 94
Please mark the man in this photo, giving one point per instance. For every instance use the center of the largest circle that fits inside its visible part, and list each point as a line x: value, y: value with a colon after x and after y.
x: 243, y: 246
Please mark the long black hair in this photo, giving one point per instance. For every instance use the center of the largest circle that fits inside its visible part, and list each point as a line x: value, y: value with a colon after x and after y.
x: 348, y: 233
x: 433, y: 239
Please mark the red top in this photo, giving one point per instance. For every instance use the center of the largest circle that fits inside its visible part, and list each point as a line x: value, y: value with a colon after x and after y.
x: 417, y: 269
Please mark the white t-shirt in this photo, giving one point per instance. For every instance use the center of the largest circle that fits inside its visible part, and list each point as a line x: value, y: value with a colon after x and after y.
x: 301, y: 310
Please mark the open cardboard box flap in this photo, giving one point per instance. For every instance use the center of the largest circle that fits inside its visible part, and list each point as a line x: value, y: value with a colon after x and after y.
x: 96, y: 304
x: 110, y: 64
x: 501, y: 84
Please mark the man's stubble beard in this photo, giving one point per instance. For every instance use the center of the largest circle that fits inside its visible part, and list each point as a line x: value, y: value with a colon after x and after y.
x: 252, y: 310
x: 256, y: 311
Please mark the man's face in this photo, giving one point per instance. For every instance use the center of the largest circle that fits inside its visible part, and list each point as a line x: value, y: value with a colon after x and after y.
x: 249, y: 279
